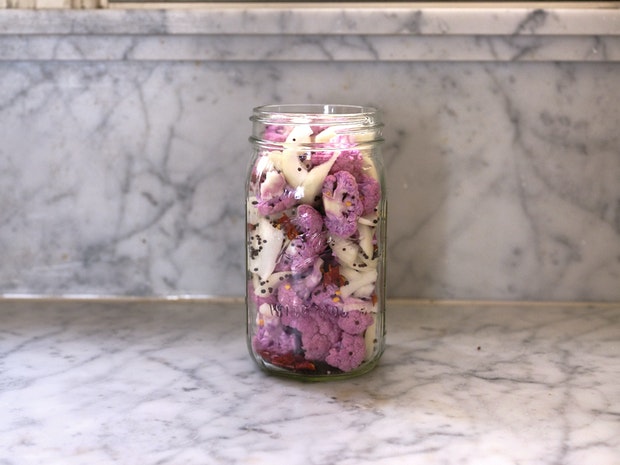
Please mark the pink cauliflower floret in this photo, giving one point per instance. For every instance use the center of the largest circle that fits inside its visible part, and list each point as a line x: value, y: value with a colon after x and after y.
x: 370, y: 191
x: 355, y: 322
x: 319, y: 332
x: 348, y: 353
x: 342, y: 203
x: 275, y: 338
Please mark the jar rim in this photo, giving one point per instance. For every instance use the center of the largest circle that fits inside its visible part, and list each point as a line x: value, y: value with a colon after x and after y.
x: 296, y: 113
x: 315, y: 109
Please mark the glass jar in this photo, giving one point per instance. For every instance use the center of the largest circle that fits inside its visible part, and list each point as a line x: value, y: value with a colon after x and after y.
x: 316, y: 240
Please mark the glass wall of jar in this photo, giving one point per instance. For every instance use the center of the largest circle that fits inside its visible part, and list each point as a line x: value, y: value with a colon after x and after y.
x: 315, y: 234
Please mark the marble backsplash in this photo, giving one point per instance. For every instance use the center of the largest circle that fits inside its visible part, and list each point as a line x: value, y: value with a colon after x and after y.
x: 124, y: 144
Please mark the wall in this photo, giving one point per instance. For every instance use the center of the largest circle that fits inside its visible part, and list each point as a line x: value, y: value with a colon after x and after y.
x: 124, y: 144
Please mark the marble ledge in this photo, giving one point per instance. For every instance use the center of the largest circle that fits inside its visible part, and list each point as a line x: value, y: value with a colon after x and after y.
x: 281, y: 18
x: 392, y: 32
x: 171, y: 382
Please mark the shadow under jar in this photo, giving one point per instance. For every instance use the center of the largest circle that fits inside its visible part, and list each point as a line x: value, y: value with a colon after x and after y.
x: 316, y: 237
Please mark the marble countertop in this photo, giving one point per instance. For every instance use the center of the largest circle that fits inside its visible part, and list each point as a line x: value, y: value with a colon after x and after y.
x: 172, y: 382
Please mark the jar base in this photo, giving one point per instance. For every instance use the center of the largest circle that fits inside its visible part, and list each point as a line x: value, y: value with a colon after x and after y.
x: 319, y: 373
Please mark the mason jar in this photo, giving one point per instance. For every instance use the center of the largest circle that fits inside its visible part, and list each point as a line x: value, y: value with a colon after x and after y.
x: 316, y: 240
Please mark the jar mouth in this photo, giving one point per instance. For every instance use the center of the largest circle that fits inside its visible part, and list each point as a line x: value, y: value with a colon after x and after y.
x: 315, y: 109
x: 311, y: 113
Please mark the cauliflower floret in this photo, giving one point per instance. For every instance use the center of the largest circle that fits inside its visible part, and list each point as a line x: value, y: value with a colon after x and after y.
x: 299, y: 255
x: 348, y: 354
x: 311, y: 281
x: 327, y: 296
x: 288, y: 298
x: 355, y: 322
x: 308, y: 220
x: 308, y: 241
x: 294, y: 293
x: 274, y: 194
x: 276, y: 133
x: 348, y: 159
x: 342, y: 203
x: 275, y: 338
x: 319, y: 332
x: 370, y: 191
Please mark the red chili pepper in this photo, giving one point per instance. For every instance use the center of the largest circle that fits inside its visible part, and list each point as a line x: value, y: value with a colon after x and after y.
x: 332, y: 276
x: 288, y: 361
x: 289, y: 228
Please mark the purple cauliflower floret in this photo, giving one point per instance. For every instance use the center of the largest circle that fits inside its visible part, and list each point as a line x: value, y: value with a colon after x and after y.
x: 342, y: 203
x: 355, y: 322
x: 312, y: 280
x: 275, y: 338
x: 299, y: 255
x: 348, y: 353
x: 348, y: 159
x: 275, y: 195
x: 320, y: 156
x: 309, y: 223
x: 295, y: 292
x: 297, y: 258
x: 304, y: 283
x: 275, y: 133
x: 277, y: 205
x: 319, y: 332
x: 288, y: 297
x: 327, y: 296
x: 308, y: 220
x: 311, y: 240
x: 370, y: 191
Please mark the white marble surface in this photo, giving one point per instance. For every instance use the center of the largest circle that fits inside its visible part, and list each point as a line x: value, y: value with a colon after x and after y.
x: 169, y: 383
x: 392, y: 32
x: 124, y: 144
x: 384, y: 18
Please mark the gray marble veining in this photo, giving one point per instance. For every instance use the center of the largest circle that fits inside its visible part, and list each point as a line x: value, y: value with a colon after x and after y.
x: 124, y: 145
x: 169, y: 383
x: 292, y: 48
